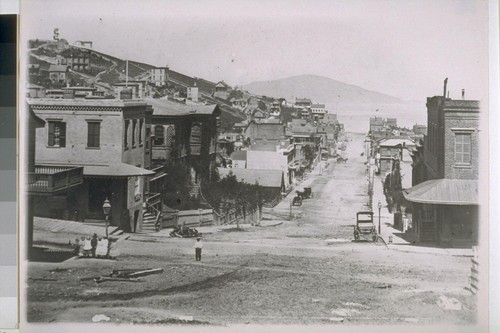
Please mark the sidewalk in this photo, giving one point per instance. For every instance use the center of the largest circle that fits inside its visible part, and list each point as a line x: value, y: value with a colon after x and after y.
x: 387, y: 229
x: 62, y: 231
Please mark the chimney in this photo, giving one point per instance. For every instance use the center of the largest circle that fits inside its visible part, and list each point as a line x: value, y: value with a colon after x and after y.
x: 444, y: 88
x: 463, y: 93
x: 126, y: 93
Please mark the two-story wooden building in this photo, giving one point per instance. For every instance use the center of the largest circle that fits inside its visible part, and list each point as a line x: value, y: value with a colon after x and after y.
x: 444, y: 195
x: 185, y: 135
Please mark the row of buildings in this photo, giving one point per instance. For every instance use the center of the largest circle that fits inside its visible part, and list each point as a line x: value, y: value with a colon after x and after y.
x: 266, y: 150
x: 84, y: 150
x: 441, y: 190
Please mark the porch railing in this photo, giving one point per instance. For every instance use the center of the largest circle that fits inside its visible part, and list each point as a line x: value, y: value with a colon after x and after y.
x: 48, y: 179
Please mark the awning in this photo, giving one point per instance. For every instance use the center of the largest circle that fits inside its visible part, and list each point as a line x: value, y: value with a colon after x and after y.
x: 115, y: 170
x: 444, y: 192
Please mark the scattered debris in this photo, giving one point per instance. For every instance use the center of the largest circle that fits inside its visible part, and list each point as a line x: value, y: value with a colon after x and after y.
x: 383, y: 286
x: 336, y: 319
x: 107, y: 278
x: 99, y: 318
x: 125, y: 275
x: 186, y: 318
x: 447, y: 303
x: 142, y: 273
x: 185, y: 232
x: 344, y: 312
x: 315, y: 300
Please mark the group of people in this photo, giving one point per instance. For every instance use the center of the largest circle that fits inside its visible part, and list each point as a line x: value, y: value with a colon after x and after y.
x: 96, y: 247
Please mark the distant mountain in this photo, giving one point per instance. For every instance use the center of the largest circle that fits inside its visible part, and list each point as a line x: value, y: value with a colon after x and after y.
x: 320, y: 90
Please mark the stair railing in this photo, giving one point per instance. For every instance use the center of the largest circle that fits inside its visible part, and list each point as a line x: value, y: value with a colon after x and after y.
x: 156, y: 213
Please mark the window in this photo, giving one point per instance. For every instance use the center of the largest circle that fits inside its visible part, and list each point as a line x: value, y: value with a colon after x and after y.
x: 462, y: 148
x: 137, y: 188
x: 57, y: 134
x: 125, y: 134
x: 159, y: 136
x: 170, y: 136
x: 93, y: 134
x: 134, y: 126
x: 141, y: 123
x: 148, y: 134
x: 195, y: 134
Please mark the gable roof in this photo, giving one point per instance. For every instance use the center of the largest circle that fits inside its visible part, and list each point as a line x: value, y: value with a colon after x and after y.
x: 163, y: 107
x: 58, y: 68
x: 395, y: 142
x: 265, y: 178
x: 269, y: 131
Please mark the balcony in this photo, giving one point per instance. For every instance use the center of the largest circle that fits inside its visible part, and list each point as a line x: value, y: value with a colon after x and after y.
x: 50, y: 179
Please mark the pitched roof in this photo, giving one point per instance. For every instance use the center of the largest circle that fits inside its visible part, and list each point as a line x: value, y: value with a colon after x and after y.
x: 163, y: 107
x: 318, y: 106
x: 239, y: 155
x: 58, y: 68
x: 115, y: 170
x: 444, y: 192
x: 265, y: 131
x: 265, y: 178
x: 395, y: 142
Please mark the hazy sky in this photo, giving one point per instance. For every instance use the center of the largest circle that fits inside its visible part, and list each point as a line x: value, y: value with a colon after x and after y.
x: 403, y: 48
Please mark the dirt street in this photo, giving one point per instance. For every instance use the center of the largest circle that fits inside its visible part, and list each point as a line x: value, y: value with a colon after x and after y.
x: 304, y: 271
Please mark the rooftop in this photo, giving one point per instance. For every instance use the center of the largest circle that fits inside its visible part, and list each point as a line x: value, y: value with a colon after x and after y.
x: 444, y: 192
x: 163, y: 107
x: 265, y: 178
x: 46, y: 103
x: 58, y: 68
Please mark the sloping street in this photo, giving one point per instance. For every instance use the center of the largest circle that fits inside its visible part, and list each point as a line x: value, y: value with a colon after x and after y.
x: 302, y: 270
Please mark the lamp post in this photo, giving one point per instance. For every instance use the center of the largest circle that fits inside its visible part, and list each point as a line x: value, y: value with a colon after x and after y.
x: 379, y: 208
x: 106, y: 208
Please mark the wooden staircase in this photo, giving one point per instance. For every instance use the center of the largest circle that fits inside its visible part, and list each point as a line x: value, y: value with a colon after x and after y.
x: 148, y: 223
x: 195, y: 190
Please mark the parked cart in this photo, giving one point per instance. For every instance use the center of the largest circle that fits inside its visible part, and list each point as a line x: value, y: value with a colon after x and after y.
x: 365, y: 226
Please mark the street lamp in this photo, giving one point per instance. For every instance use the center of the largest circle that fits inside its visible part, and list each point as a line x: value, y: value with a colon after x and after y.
x: 379, y: 205
x: 106, y: 208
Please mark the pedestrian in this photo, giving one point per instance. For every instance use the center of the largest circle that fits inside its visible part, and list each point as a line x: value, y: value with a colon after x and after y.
x: 87, y: 246
x: 80, y: 249
x: 94, y: 244
x: 77, y: 246
x: 197, y: 248
x: 102, y: 247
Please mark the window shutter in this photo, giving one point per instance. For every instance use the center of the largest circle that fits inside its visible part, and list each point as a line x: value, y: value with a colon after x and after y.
x: 51, y: 134
x: 62, y: 138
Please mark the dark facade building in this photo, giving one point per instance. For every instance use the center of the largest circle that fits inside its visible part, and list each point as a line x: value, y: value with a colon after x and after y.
x: 445, y: 174
x: 185, y: 135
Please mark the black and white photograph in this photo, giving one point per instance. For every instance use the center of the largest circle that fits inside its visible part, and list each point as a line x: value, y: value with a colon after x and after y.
x: 245, y: 165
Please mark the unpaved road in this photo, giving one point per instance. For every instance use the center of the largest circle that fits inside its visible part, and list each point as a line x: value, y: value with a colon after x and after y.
x: 286, y: 274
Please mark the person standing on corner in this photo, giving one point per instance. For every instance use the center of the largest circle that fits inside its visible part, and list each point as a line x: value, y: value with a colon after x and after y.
x: 197, y: 248
x: 94, y: 242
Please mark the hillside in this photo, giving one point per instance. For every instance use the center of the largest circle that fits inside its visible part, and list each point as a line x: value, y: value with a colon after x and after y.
x: 320, y: 89
x: 105, y: 70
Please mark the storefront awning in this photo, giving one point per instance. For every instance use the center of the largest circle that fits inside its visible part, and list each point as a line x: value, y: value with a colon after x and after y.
x: 444, y: 192
x: 115, y: 170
